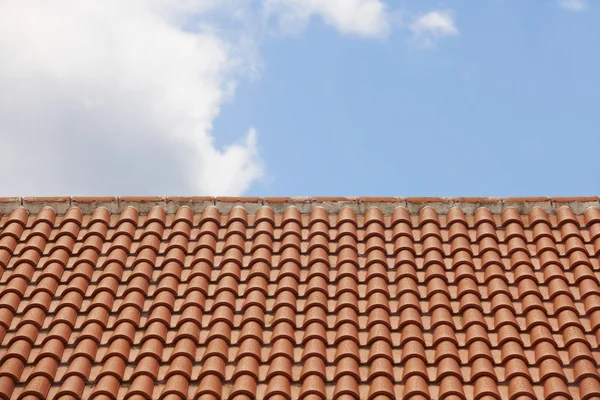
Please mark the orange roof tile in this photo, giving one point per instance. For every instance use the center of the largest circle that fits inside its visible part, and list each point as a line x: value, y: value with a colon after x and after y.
x: 374, y: 298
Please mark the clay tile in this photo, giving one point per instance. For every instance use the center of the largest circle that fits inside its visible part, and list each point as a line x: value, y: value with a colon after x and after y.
x: 315, y: 338
x: 346, y: 235
x: 279, y: 385
x: 250, y: 347
x: 591, y: 215
x: 412, y: 331
x: 573, y: 241
x: 313, y: 385
x: 13, y: 229
x: 513, y: 229
x: 244, y: 385
x: 129, y: 214
x: 100, y: 214
x: 379, y: 331
x: 115, y: 365
x: 565, y: 214
x: 211, y: 213
x: 451, y: 386
x: 263, y: 235
x: 373, y: 215
x: 346, y: 388
x: 380, y: 348
x: 486, y: 388
x: 549, y: 367
x: 584, y: 368
x: 177, y: 384
x: 537, y: 215
x: 318, y: 241
x: 455, y: 214
x: 486, y: 231
x: 346, y: 348
x: 147, y: 365
x: 292, y: 254
x: 347, y: 366
x: 319, y: 269
x: 481, y: 363
x: 37, y: 387
x: 210, y: 384
x: 212, y: 365
x: 346, y: 331
x: 184, y: 214
x: 283, y: 330
x: 381, y: 366
x: 290, y: 214
x: 19, y: 215
x: 428, y: 214
x: 589, y: 388
x: 483, y: 214
x: 510, y: 214
x: 238, y: 214
x: 461, y: 247
x: 280, y: 365
x: 73, y: 214
x: 107, y: 386
x: 401, y: 214
x: 473, y: 316
x: 458, y: 230
x: 579, y: 351
x: 318, y: 214
x: 156, y: 214
x: 141, y: 388
x: 346, y: 214
x: 265, y: 214
x: 381, y: 386
x: 555, y: 386
x: 72, y: 386
x: 86, y: 347
x: 519, y: 387
x: 413, y: 349
x: 46, y: 214
x: 254, y: 313
x: 414, y: 387
x: 12, y: 367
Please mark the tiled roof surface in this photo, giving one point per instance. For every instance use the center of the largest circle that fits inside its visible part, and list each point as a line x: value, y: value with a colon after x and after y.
x: 413, y: 298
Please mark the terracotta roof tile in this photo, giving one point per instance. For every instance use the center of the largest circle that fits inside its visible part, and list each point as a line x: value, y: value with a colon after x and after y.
x: 285, y: 298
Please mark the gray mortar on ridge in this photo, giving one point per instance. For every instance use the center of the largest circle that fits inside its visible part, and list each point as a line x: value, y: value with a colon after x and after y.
x: 304, y: 205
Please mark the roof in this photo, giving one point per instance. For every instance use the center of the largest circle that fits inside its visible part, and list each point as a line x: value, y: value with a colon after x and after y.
x: 281, y: 298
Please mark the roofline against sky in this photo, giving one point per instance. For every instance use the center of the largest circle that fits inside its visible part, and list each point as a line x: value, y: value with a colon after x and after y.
x: 305, y: 204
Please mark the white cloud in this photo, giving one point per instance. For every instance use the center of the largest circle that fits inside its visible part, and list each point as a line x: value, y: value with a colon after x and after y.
x: 573, y: 5
x: 429, y: 28
x: 117, y: 97
x: 367, y: 18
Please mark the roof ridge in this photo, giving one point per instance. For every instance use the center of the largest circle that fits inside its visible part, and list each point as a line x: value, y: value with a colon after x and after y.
x: 305, y: 204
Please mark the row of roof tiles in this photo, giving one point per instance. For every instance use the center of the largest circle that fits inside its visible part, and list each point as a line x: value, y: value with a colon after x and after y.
x: 568, y: 221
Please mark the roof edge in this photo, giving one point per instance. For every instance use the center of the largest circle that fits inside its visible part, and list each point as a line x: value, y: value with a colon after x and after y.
x: 305, y: 204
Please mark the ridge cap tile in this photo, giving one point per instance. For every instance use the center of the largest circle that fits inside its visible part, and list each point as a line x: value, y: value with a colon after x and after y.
x: 88, y: 204
x: 251, y: 204
x: 60, y: 204
x: 9, y: 204
x: 333, y: 204
x: 442, y: 205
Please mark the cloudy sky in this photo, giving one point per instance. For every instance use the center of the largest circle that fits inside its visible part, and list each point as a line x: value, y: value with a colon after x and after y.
x: 299, y: 97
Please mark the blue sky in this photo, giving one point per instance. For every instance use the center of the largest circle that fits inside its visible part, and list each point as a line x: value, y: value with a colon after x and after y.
x: 509, y: 107
x: 502, y: 102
